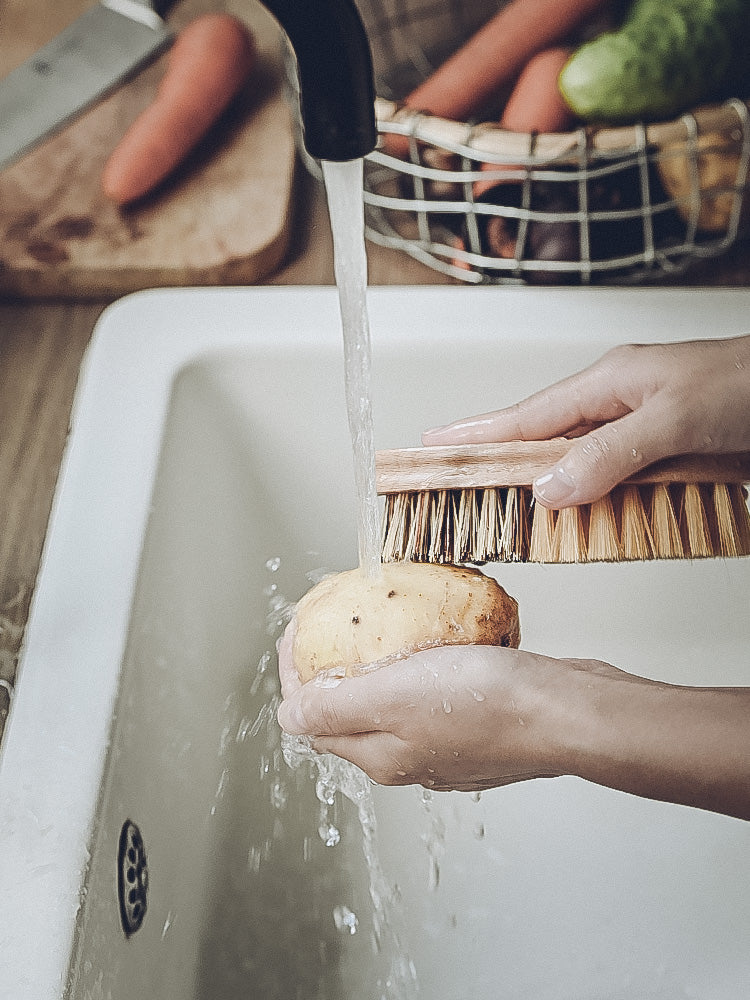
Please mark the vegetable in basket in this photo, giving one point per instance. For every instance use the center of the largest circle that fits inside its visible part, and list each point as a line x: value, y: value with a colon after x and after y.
x: 667, y: 56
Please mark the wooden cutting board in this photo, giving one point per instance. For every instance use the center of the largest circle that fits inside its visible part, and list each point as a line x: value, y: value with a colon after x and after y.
x: 224, y: 218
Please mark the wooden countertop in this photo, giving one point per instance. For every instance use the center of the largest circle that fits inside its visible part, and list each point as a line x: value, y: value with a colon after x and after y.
x: 41, y: 347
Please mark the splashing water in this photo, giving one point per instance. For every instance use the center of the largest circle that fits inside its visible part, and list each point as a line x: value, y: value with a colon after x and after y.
x: 344, y: 187
x: 335, y: 775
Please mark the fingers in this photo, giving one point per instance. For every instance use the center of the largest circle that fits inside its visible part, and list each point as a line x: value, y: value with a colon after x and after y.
x: 290, y: 682
x: 382, y: 756
x: 350, y: 708
x: 601, y: 459
x: 588, y: 398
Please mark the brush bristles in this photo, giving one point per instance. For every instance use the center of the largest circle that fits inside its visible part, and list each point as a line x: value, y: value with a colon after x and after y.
x: 604, y: 542
x: 541, y: 546
x: 503, y: 524
x: 636, y: 539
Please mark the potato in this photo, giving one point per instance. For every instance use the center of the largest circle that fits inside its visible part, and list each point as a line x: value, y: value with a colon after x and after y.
x: 348, y: 620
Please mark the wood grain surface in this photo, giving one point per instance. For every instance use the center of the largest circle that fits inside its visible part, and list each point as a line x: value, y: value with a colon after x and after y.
x: 225, y: 217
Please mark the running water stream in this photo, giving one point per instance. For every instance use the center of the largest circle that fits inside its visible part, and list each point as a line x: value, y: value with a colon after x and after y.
x: 344, y: 185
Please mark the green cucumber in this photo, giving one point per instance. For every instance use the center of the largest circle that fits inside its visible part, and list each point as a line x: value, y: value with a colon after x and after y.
x: 667, y: 56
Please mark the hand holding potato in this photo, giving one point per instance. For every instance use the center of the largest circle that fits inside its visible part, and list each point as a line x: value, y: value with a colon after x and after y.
x: 477, y: 717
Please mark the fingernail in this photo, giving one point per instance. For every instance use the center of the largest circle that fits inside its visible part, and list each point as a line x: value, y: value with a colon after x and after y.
x: 434, y: 432
x: 461, y: 431
x: 554, y: 488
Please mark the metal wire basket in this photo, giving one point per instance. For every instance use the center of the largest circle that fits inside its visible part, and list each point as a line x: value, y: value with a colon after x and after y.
x: 593, y: 205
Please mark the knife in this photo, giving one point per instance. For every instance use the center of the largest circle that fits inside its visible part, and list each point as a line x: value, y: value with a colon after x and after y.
x: 88, y: 59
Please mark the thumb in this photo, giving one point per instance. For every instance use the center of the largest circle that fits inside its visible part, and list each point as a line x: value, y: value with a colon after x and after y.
x: 291, y: 717
x: 599, y: 460
x: 323, y: 709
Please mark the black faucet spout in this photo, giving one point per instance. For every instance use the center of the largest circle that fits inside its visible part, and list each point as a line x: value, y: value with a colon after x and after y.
x: 334, y: 65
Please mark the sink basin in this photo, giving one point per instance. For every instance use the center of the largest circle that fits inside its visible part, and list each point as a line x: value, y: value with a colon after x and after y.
x: 154, y: 843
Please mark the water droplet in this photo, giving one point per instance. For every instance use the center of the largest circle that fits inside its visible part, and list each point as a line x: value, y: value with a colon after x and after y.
x: 434, y: 875
x: 447, y: 707
x: 477, y: 695
x: 278, y: 794
x: 635, y: 454
x: 325, y: 791
x: 345, y: 920
x: 329, y: 834
x: 272, y: 565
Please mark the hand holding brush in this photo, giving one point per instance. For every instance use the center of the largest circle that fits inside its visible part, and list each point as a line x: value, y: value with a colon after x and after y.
x: 675, y: 417
x: 636, y: 405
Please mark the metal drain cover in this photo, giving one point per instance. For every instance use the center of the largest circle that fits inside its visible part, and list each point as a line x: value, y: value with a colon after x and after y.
x: 132, y: 878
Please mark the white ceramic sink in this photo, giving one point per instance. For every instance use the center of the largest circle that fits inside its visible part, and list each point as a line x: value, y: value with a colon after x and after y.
x: 208, y: 472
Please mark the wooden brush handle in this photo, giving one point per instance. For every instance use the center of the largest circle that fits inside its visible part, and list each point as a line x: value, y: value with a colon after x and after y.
x: 518, y: 463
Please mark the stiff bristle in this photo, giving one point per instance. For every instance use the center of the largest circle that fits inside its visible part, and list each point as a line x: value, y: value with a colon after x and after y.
x: 464, y: 513
x: 505, y: 525
x: 637, y: 541
x: 541, y: 547
x: 732, y: 521
x: 738, y: 497
x: 604, y: 545
x: 441, y: 531
x: 514, y: 539
x: 395, y: 522
x: 490, y: 527
x: 418, y: 525
x: 664, y: 526
x: 695, y: 528
x: 569, y: 541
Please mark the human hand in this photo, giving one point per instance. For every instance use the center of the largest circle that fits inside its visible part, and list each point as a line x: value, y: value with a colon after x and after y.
x: 450, y: 717
x: 636, y: 405
x: 476, y: 717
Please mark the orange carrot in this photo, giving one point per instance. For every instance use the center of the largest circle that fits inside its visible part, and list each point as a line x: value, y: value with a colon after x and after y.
x: 535, y: 104
x: 497, y: 53
x: 209, y: 62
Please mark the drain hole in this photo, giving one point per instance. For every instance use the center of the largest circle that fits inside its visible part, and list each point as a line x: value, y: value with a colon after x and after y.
x: 132, y: 878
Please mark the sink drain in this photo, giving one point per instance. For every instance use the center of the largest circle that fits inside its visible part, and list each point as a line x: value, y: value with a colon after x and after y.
x: 132, y: 878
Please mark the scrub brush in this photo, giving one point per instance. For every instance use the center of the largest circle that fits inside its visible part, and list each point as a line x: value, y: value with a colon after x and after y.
x: 474, y: 503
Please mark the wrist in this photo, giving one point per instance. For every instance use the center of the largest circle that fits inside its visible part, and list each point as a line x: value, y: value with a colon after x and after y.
x: 674, y: 743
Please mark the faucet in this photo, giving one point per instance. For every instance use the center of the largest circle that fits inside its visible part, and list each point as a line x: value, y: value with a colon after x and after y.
x: 334, y: 66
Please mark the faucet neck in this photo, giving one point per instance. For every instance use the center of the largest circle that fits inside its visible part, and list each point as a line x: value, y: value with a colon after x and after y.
x: 334, y: 65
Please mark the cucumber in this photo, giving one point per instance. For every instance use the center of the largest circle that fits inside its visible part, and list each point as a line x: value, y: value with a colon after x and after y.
x: 667, y: 56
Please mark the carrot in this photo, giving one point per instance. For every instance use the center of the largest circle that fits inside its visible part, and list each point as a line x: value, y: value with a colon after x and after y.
x: 208, y: 64
x: 496, y: 54
x: 535, y: 104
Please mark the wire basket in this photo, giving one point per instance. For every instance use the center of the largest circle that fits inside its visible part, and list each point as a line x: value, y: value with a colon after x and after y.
x: 593, y: 205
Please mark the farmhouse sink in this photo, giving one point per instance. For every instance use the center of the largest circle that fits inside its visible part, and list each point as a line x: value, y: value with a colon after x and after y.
x: 154, y: 842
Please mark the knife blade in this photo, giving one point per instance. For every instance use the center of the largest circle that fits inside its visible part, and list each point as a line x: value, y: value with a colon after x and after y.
x: 91, y: 56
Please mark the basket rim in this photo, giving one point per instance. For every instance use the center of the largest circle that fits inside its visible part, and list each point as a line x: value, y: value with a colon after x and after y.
x: 488, y: 140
